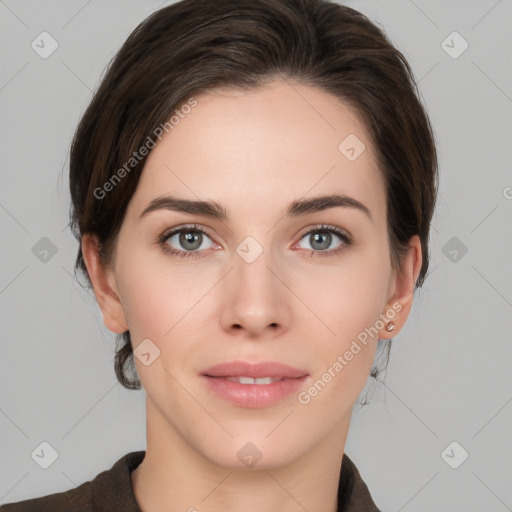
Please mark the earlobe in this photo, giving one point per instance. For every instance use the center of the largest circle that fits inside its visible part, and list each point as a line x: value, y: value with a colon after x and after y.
x: 400, y: 304
x: 103, y: 282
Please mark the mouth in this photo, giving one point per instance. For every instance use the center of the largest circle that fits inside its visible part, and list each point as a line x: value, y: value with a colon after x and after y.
x: 253, y: 386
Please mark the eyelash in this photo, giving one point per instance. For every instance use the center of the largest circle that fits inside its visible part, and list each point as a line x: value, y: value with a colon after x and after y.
x: 192, y: 228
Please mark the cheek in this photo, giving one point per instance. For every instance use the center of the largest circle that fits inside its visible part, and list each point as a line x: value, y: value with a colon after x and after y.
x: 342, y: 362
x: 161, y: 300
x: 347, y: 299
x: 156, y: 308
x: 148, y: 294
x: 349, y: 303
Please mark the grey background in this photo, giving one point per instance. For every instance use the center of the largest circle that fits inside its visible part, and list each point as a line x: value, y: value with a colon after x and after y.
x: 450, y: 375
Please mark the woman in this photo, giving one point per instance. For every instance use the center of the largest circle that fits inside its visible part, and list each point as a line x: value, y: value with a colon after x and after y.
x: 252, y: 188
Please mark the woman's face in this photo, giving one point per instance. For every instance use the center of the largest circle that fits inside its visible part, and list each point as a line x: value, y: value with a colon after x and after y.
x: 259, y: 285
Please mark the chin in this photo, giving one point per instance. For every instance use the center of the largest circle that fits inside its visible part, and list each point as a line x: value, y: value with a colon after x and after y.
x: 253, y: 452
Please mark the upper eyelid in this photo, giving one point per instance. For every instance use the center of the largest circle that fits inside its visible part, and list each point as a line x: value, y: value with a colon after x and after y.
x: 173, y: 231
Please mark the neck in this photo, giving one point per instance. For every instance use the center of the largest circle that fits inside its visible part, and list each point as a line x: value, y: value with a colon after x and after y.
x: 176, y: 475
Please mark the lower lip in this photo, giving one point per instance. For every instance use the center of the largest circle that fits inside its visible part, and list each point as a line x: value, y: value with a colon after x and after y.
x: 254, y: 395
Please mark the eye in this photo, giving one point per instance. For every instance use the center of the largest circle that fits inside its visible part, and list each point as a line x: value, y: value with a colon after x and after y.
x: 191, y: 241
x: 190, y: 238
x: 320, y: 239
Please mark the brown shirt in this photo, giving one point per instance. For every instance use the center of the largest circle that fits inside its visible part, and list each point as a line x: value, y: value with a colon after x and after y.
x: 111, y: 491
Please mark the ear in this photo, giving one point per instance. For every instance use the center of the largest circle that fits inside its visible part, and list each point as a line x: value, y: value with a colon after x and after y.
x: 402, y: 286
x: 104, y: 284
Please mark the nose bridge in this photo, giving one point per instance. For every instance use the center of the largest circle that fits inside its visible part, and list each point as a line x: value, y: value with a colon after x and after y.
x: 256, y: 293
x: 252, y: 263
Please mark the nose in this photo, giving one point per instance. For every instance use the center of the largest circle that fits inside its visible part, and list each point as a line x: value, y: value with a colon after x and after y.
x: 255, y: 299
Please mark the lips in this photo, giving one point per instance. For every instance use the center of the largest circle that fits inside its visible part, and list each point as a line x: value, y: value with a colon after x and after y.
x: 254, y: 385
x: 236, y: 369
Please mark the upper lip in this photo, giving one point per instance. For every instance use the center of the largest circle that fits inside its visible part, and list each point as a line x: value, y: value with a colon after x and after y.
x: 259, y: 370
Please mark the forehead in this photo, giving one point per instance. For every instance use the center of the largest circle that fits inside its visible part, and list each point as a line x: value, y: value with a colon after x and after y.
x: 267, y: 146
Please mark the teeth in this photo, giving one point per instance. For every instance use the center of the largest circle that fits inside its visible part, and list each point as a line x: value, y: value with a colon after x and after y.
x: 250, y: 380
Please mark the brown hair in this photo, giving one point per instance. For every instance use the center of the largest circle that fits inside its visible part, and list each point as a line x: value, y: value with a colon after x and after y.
x: 193, y: 46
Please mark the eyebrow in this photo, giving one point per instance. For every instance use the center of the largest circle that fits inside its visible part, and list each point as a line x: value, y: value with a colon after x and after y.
x: 214, y: 210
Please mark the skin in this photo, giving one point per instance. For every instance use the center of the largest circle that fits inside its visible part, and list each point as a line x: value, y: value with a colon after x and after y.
x: 253, y: 153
